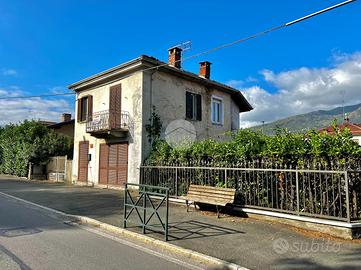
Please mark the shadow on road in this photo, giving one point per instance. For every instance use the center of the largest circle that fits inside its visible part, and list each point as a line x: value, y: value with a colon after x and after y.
x: 193, y: 229
x: 351, y: 261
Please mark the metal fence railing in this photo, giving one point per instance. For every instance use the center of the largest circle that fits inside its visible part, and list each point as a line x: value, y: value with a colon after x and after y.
x: 316, y: 193
x: 107, y: 120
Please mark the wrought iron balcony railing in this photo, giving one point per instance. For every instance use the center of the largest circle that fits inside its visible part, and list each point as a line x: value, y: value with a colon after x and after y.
x: 104, y: 121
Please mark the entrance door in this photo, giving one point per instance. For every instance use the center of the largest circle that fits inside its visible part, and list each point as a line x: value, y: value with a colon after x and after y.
x: 83, y: 161
x: 113, y: 164
x: 103, y: 164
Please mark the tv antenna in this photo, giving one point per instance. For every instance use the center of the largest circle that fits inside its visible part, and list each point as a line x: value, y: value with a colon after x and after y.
x: 185, y: 46
x: 343, y: 92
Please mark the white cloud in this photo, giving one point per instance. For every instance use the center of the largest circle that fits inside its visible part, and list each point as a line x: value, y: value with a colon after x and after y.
x: 15, y: 110
x: 305, y: 89
x: 9, y: 72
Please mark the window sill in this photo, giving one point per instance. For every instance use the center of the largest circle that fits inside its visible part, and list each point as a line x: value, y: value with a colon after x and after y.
x: 192, y: 120
x: 217, y: 124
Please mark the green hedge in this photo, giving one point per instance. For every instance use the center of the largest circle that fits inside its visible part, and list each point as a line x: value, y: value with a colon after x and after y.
x: 29, y: 141
x: 283, y: 148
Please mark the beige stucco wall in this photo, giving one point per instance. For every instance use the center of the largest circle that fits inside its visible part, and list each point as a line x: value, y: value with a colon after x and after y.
x: 167, y: 93
x: 131, y: 102
x: 67, y: 130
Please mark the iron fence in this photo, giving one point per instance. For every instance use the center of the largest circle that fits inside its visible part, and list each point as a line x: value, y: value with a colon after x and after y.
x: 317, y: 193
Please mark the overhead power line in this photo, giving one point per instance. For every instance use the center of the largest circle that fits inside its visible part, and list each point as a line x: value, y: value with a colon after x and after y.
x: 223, y: 46
x: 38, y: 96
x: 258, y: 34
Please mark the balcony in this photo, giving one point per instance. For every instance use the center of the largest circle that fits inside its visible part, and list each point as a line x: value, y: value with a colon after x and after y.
x: 108, y: 123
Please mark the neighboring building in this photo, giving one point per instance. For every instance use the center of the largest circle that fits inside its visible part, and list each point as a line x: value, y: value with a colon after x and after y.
x: 65, y: 126
x: 355, y: 130
x: 114, y: 107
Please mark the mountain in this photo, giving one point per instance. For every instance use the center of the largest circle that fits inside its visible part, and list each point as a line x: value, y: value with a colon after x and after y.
x: 313, y: 120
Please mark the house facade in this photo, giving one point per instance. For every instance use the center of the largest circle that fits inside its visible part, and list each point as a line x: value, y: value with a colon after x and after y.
x: 65, y: 126
x: 115, y: 106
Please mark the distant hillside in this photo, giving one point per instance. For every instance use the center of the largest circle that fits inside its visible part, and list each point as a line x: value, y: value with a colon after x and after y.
x: 313, y: 120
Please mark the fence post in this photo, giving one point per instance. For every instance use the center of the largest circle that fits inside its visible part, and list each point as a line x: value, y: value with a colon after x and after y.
x: 144, y: 208
x: 30, y: 170
x: 176, y: 182
x: 65, y: 168
x: 125, y: 207
x: 167, y: 214
x: 297, y: 193
x: 347, y: 199
x: 225, y: 178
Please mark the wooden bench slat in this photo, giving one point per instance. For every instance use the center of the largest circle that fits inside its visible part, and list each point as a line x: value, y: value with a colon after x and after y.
x: 212, y: 188
x: 212, y: 191
x: 215, y: 202
x: 210, y: 195
x: 219, y: 193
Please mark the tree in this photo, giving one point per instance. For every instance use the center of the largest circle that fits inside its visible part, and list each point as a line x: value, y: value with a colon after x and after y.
x: 29, y: 141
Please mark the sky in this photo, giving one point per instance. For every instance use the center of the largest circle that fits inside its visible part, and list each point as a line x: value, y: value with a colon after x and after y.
x: 47, y: 45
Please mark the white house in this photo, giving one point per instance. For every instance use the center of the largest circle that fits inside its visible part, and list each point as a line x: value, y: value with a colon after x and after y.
x: 114, y: 107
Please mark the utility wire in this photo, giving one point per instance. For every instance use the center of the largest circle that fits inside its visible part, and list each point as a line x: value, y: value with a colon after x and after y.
x: 265, y: 32
x: 258, y: 34
x: 45, y: 95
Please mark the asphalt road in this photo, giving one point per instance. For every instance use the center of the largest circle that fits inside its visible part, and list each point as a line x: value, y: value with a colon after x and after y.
x: 31, y: 239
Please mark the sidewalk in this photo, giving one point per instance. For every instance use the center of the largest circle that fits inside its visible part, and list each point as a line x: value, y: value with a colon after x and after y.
x: 248, y: 242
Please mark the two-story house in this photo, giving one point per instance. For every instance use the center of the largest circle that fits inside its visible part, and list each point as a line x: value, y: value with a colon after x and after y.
x: 114, y: 107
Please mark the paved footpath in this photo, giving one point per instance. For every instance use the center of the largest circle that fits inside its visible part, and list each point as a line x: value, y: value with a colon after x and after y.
x: 248, y: 242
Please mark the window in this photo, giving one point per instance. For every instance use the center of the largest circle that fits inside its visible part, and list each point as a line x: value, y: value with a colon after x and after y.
x: 217, y: 110
x: 85, y: 108
x: 193, y: 106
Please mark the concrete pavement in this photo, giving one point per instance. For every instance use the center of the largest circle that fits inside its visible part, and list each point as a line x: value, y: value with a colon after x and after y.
x: 248, y: 242
x: 30, y: 239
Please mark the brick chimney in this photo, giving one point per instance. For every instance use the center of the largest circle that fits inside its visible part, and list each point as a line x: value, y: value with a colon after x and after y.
x: 174, y: 57
x: 205, y: 69
x: 65, y: 117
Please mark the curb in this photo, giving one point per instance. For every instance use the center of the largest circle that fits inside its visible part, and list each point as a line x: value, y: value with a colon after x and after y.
x: 206, y: 259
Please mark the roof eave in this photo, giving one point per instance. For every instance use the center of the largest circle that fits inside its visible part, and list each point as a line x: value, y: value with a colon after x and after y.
x: 144, y: 60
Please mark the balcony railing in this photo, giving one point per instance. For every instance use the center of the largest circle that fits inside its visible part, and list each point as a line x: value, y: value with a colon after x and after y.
x: 104, y: 121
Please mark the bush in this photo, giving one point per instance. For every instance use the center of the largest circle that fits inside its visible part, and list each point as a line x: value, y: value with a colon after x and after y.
x: 285, y: 148
x: 29, y: 141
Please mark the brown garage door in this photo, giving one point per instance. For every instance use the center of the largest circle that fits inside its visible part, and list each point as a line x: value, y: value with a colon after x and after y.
x: 113, y: 164
x: 83, y: 161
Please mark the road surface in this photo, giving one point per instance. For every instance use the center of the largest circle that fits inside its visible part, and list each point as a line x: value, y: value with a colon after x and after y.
x: 31, y: 239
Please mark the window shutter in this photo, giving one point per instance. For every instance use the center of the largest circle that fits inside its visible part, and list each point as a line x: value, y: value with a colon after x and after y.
x: 90, y: 107
x: 78, y: 104
x: 189, y: 105
x: 199, y: 107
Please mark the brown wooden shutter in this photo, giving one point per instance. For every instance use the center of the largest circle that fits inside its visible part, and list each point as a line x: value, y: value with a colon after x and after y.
x: 115, y: 106
x: 122, y: 163
x: 78, y: 104
x: 90, y: 107
x: 103, y: 164
x: 112, y: 164
x: 115, y: 98
x: 83, y: 161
